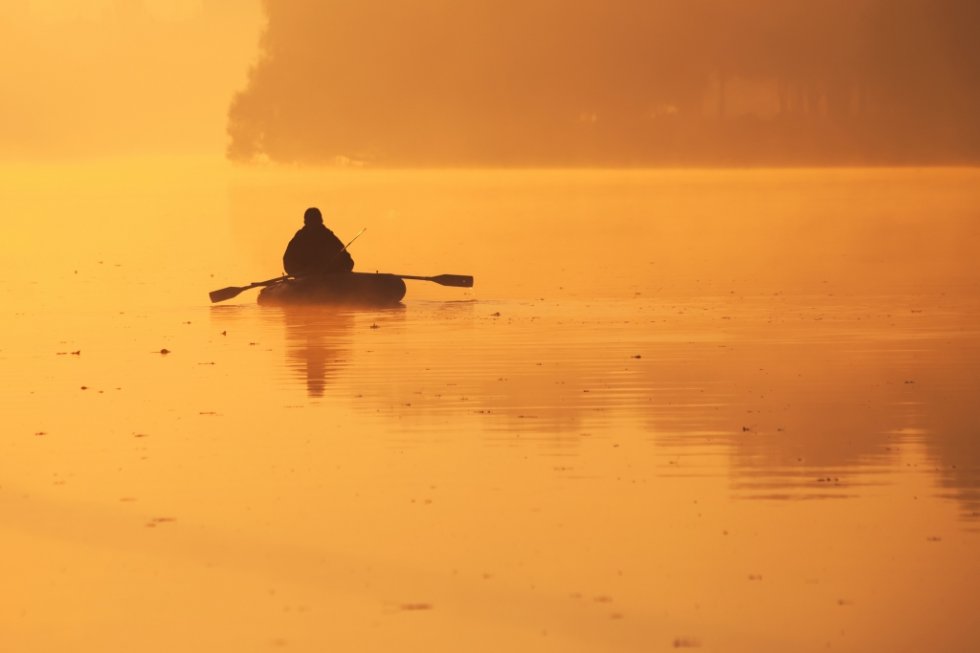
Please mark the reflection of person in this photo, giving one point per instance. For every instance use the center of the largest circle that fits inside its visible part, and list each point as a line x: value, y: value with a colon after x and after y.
x: 315, y: 249
x: 317, y: 344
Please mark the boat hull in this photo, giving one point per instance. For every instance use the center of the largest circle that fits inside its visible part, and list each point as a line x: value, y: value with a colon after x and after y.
x: 349, y: 288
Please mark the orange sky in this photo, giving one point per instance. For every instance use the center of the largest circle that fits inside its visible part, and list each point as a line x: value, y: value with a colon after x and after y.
x: 513, y: 82
x: 106, y: 77
x: 613, y: 82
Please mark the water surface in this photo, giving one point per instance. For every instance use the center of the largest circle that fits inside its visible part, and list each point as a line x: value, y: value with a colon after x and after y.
x: 722, y: 410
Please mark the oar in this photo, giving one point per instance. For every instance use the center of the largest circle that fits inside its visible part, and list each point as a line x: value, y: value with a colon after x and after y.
x: 233, y: 291
x: 458, y: 280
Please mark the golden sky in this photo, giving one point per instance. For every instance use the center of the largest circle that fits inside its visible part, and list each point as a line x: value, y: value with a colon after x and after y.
x: 525, y: 82
x: 110, y: 77
x: 613, y: 82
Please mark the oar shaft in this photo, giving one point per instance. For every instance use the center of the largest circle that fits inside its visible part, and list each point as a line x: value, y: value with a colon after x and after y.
x: 233, y: 291
x: 457, y: 280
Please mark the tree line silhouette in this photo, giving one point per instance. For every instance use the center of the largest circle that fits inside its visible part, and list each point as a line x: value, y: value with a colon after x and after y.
x: 613, y: 82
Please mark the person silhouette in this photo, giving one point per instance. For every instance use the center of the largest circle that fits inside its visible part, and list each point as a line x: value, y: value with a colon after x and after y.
x: 315, y: 249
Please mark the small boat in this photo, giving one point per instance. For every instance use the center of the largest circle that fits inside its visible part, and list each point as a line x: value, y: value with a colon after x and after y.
x: 351, y: 288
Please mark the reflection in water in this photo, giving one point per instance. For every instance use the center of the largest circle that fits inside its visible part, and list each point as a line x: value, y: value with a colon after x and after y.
x: 320, y: 340
x: 317, y: 343
x: 823, y: 401
x: 944, y: 390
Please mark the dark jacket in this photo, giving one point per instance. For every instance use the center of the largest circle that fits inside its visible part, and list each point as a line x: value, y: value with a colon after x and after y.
x: 315, y: 250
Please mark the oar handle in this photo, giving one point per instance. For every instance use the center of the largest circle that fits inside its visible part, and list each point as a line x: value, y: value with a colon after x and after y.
x: 268, y: 282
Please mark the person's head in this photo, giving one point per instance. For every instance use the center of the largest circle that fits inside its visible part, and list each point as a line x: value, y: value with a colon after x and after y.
x: 312, y: 216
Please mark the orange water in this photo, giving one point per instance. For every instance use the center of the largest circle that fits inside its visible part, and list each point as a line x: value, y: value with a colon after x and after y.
x: 724, y: 410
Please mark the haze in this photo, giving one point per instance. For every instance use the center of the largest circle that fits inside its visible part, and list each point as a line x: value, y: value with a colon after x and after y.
x: 614, y: 82
x: 120, y: 77
x: 530, y: 82
x: 725, y: 400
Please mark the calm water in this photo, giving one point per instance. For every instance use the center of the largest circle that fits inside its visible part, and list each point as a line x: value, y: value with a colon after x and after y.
x: 725, y: 411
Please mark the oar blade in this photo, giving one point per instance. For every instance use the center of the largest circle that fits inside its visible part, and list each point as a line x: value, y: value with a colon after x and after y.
x: 224, y: 293
x: 457, y: 280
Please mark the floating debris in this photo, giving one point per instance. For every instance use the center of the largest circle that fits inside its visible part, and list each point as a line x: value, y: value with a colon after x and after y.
x: 156, y: 521
x: 409, y: 607
x: 686, y: 642
x: 164, y: 351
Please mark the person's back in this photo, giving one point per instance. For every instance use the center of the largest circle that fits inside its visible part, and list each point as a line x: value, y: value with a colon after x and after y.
x: 315, y: 249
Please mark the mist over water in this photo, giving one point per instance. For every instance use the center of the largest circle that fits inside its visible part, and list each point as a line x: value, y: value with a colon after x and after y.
x: 720, y: 409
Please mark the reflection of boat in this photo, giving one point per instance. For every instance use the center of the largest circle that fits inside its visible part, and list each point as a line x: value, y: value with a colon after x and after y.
x: 357, y: 288
x: 317, y: 344
x: 320, y: 342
